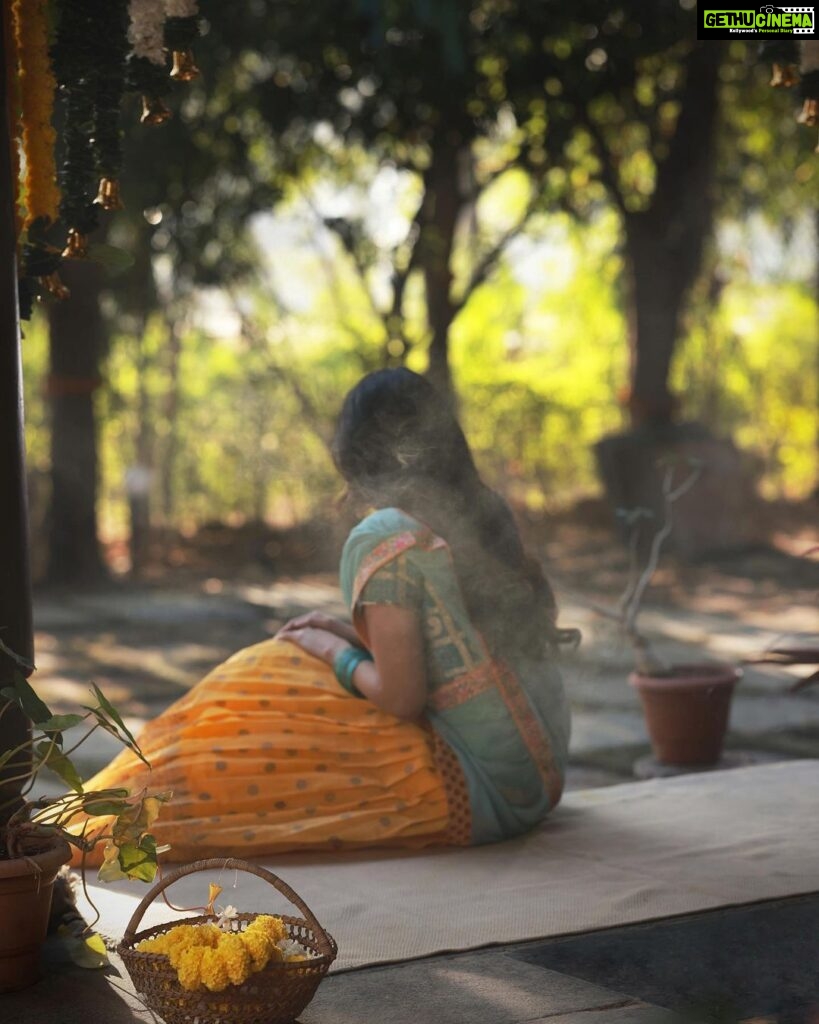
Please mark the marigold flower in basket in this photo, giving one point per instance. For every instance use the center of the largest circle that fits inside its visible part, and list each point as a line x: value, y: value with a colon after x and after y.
x: 266, y: 966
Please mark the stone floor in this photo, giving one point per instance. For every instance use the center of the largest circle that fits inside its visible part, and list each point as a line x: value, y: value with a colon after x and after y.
x: 145, y: 646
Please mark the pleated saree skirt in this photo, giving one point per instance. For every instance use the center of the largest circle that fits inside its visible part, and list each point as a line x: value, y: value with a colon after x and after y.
x: 269, y: 754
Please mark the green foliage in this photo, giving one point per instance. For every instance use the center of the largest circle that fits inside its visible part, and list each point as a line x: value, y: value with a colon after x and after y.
x: 130, y: 850
x: 538, y: 354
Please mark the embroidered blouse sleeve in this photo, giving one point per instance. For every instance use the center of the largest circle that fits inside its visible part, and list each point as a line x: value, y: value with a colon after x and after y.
x: 398, y: 582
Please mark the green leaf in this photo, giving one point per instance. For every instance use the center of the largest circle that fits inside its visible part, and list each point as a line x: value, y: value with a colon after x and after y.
x: 83, y: 949
x: 113, y: 801
x: 53, y: 758
x: 139, y: 861
x: 138, y: 817
x: 132, y: 860
x: 114, y: 260
x: 58, y: 723
x: 23, y: 695
x: 110, y: 720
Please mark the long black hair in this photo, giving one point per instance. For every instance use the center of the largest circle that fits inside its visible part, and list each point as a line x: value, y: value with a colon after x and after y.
x: 399, y: 444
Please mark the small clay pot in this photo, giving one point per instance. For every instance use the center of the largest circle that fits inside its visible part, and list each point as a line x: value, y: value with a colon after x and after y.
x: 26, y: 885
x: 686, y: 711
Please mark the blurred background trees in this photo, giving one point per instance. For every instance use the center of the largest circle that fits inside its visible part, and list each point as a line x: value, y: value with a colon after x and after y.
x: 574, y: 217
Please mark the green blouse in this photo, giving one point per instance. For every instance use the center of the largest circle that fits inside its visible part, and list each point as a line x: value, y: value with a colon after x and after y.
x: 506, y: 721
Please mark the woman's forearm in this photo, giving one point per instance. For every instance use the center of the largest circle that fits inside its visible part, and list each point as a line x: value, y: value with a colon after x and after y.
x: 402, y: 704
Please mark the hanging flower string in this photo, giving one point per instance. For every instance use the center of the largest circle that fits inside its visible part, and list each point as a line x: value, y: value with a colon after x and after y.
x: 75, y: 54
x: 102, y: 48
x: 147, y: 65
x: 107, y: 138
x: 181, y: 31
x: 12, y: 56
x: 37, y: 87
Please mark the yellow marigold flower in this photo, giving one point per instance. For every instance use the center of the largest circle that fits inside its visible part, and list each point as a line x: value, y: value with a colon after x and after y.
x: 213, y: 970
x: 189, y: 970
x: 151, y: 945
x: 37, y: 86
x: 270, y: 925
x: 236, y: 957
x: 188, y: 936
x: 259, y: 946
x: 296, y: 958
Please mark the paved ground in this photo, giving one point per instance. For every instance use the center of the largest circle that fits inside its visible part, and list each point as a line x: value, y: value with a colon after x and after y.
x: 145, y: 645
x: 486, y: 987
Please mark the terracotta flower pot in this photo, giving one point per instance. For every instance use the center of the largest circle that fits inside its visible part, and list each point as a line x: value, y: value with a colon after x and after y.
x: 26, y: 885
x: 687, y: 710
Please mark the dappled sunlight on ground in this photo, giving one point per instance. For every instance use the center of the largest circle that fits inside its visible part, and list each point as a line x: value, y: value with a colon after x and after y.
x: 146, y: 644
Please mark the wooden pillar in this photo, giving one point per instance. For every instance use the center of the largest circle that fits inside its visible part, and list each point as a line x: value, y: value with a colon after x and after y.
x: 15, y: 580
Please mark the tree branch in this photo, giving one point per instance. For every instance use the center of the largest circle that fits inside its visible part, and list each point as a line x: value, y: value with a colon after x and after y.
x: 489, y: 261
x: 608, y: 167
x: 342, y: 230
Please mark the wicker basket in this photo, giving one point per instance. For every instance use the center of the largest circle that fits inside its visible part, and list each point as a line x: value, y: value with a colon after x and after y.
x: 275, y: 995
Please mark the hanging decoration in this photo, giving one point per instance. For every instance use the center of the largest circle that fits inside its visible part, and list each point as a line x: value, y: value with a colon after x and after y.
x: 110, y: 87
x: 181, y: 30
x: 783, y: 55
x: 96, y: 51
x: 809, y: 83
x: 147, y: 65
x: 787, y: 56
x: 36, y: 92
x: 12, y: 83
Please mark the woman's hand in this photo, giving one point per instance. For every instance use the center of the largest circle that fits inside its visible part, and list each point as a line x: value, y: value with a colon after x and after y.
x: 318, y: 620
x: 321, y: 643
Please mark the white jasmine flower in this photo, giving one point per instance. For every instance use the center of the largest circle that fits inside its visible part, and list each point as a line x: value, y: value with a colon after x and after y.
x: 226, y: 915
x: 182, y: 8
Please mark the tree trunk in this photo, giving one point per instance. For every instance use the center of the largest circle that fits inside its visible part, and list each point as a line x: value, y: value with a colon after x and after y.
x: 665, y: 243
x: 139, y: 475
x: 15, y: 581
x: 442, y: 202
x: 171, y: 413
x: 656, y: 295
x: 77, y: 343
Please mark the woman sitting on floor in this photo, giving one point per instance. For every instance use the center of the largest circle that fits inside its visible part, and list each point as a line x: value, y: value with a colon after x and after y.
x: 438, y: 717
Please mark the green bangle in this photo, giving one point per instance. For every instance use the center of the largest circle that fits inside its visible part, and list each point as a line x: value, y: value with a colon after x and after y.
x: 344, y: 665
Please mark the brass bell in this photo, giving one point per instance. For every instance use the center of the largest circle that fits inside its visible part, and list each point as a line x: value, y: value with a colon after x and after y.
x: 154, y: 111
x: 54, y: 286
x: 76, y: 247
x: 108, y: 196
x: 783, y: 76
x: 184, y: 66
x: 809, y: 114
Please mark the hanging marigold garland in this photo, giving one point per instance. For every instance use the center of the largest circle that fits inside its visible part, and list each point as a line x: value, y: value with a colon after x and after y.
x: 42, y: 197
x: 102, y: 48
x: 13, y: 109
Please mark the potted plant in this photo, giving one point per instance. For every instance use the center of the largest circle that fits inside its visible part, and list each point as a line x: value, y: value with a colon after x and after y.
x: 36, y: 834
x: 686, y: 706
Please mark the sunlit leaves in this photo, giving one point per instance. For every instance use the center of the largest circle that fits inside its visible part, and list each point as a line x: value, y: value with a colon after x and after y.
x: 51, y: 756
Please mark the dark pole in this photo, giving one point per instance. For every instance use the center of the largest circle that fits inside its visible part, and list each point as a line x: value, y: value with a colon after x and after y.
x: 15, y: 580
